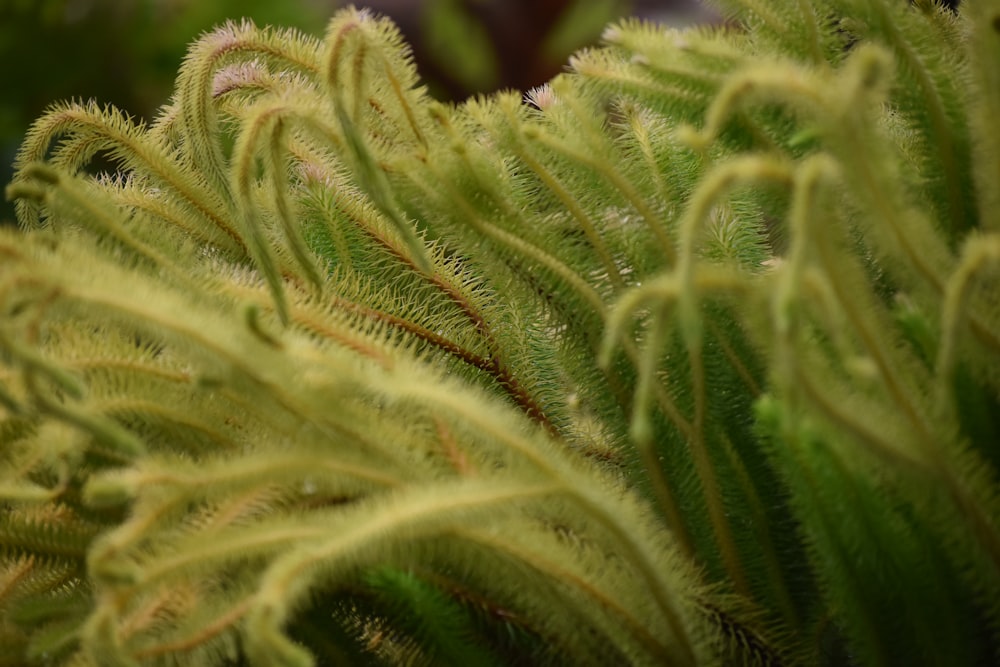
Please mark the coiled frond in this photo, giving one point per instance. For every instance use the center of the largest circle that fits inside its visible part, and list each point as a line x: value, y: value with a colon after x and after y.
x: 688, y: 357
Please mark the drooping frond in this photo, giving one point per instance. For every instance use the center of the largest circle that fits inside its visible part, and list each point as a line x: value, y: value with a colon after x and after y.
x: 688, y: 357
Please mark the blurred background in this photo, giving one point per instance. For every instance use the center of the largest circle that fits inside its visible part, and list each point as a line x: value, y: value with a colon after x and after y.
x: 127, y: 52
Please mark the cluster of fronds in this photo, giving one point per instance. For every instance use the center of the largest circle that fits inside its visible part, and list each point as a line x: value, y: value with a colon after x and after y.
x: 690, y: 357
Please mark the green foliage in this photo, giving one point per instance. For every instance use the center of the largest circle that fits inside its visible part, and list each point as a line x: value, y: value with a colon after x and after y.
x: 124, y: 52
x: 689, y: 358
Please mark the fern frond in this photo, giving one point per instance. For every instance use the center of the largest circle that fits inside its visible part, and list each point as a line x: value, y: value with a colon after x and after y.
x: 686, y: 357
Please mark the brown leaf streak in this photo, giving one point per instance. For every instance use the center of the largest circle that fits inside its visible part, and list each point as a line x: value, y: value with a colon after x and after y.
x: 453, y: 453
